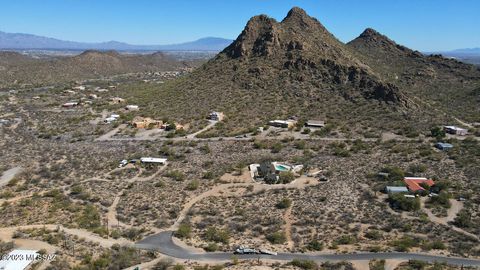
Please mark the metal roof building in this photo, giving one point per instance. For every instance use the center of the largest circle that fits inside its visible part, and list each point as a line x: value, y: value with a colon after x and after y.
x: 391, y: 189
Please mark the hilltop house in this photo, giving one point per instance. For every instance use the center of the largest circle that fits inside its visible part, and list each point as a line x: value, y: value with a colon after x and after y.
x: 283, y: 123
x: 114, y: 100
x: 414, y: 184
x: 81, y: 87
x: 131, y: 108
x: 70, y: 104
x: 140, y: 122
x: 111, y: 118
x: 216, y: 116
x: 455, y: 130
x: 270, y: 171
x: 161, y: 161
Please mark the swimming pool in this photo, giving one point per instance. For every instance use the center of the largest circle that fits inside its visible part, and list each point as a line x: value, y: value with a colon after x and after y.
x: 282, y: 168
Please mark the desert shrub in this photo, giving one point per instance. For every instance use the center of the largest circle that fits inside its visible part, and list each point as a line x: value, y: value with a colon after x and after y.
x: 304, y: 264
x: 315, y: 245
x: 377, y: 265
x: 89, y: 218
x: 184, y: 231
x: 193, y: 185
x: 277, y: 238
x: 286, y: 177
x: 163, y: 264
x: 374, y: 235
x: 401, y: 202
x: 276, y: 147
x: 404, y: 244
x: 345, y: 240
x: 217, y: 235
x: 208, y: 175
x: 176, y: 175
x: 284, y: 203
x: 437, y: 132
x: 463, y: 219
x: 417, y: 265
x: 443, y: 200
x: 211, y: 247
x: 394, y: 173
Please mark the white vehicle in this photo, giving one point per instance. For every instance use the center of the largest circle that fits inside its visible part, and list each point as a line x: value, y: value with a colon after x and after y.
x: 123, y: 163
x: 245, y: 250
x: 268, y: 252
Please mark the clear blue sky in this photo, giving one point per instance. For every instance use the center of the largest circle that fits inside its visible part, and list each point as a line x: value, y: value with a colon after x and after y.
x: 425, y: 25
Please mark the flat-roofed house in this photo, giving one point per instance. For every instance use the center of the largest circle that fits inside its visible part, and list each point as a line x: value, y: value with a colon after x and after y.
x: 282, y: 123
x: 455, y: 130
x: 140, y: 122
x: 162, y: 161
x: 315, y: 123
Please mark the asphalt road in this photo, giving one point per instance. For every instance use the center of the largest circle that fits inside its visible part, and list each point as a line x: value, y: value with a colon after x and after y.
x: 163, y: 243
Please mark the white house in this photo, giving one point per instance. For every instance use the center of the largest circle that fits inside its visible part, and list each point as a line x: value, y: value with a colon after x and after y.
x: 70, y: 104
x: 18, y: 259
x: 81, y: 87
x: 131, y: 108
x: 162, y: 161
x: 455, y: 130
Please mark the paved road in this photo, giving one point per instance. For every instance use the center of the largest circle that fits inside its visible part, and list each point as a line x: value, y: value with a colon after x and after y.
x: 163, y: 243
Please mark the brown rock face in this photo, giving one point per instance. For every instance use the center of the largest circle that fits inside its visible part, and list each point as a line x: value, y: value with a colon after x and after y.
x: 301, y: 48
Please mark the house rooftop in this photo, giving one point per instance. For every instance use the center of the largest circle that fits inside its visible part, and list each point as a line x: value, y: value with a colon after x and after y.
x: 413, y: 183
x: 444, y: 145
x: 396, y: 189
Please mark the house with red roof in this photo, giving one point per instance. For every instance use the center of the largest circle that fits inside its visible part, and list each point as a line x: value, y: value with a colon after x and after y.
x: 414, y: 183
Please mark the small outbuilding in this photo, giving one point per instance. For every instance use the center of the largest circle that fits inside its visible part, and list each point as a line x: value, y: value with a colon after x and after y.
x: 315, y: 123
x: 392, y: 189
x: 443, y: 146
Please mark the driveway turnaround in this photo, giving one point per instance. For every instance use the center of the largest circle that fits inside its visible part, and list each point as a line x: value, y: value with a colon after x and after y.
x: 163, y: 243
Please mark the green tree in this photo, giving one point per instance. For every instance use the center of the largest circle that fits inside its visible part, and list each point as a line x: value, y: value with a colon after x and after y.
x: 184, y: 231
x: 286, y: 177
x: 284, y: 203
x: 437, y: 132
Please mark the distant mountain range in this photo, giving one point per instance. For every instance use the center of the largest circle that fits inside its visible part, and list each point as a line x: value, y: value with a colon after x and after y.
x: 20, y: 41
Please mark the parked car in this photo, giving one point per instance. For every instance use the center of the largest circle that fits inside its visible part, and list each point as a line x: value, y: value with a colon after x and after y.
x: 245, y: 250
x: 123, y: 163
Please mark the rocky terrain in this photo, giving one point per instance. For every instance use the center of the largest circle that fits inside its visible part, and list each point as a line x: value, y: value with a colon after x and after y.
x: 17, y: 70
x: 63, y: 190
x: 296, y: 67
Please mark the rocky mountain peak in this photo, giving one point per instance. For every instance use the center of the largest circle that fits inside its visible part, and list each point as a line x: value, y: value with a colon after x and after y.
x: 297, y: 12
